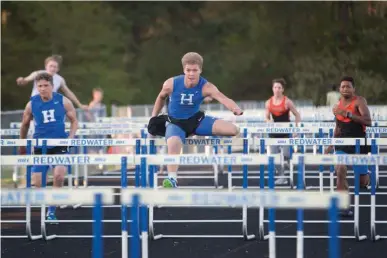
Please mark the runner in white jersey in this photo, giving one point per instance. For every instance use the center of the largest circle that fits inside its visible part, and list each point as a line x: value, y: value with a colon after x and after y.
x: 52, y: 67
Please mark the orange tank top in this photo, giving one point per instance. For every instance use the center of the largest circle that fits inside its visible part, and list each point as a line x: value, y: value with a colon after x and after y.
x: 280, y: 112
x: 347, y: 123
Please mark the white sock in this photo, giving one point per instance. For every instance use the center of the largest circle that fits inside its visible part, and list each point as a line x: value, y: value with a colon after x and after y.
x: 172, y: 175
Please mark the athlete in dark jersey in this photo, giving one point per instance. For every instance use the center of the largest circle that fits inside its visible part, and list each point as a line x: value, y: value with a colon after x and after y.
x: 48, y: 110
x: 279, y: 107
x: 352, y: 118
x: 186, y: 93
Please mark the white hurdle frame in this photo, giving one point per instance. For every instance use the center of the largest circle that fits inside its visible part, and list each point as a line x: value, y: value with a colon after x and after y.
x: 139, y: 198
x: 113, y: 159
x: 29, y: 160
x: 234, y: 159
x: 219, y: 198
x: 352, y: 159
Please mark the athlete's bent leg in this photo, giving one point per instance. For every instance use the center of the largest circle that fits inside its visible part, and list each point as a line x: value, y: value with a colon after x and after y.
x: 58, y: 180
x: 175, y: 137
x: 342, y: 183
x: 211, y: 126
x: 59, y: 176
x: 224, y: 128
x: 36, y: 175
x: 281, y: 170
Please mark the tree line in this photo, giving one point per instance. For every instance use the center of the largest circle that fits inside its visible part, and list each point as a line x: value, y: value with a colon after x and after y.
x: 130, y: 48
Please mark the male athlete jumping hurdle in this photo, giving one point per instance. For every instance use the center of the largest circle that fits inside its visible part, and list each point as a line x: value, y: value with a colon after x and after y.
x: 186, y: 93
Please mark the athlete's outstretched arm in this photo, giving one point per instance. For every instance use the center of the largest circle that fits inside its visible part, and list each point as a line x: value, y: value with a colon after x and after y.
x: 365, y: 116
x: 295, y: 112
x: 210, y: 90
x: 68, y: 93
x: 72, y: 116
x: 26, y: 80
x: 25, y: 124
x: 163, y: 95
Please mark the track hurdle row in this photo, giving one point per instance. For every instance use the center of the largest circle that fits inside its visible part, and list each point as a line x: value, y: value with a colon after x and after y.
x: 141, y: 178
x: 133, y: 124
x: 143, y: 146
x: 251, y: 130
x: 140, y: 198
x: 145, y: 160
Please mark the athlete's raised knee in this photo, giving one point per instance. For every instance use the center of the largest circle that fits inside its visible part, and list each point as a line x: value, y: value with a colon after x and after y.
x: 235, y: 131
x: 174, y: 144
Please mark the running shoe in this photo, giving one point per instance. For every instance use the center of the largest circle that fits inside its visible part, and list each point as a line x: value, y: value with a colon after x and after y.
x: 170, y: 183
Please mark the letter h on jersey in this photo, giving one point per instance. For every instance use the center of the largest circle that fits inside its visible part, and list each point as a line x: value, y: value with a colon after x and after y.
x: 48, y: 116
x: 189, y: 99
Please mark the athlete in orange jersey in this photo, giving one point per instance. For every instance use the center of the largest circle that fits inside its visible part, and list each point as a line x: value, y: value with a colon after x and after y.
x: 279, y: 108
x: 352, y: 118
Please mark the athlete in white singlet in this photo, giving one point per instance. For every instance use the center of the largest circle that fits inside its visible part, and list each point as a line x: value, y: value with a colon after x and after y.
x: 52, y: 67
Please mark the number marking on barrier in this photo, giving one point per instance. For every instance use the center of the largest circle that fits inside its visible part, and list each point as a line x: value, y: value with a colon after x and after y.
x: 196, y: 142
x: 310, y: 159
x: 10, y: 197
x: 115, y: 159
x: 313, y: 141
x: 239, y: 198
x: 89, y: 142
x: 190, y: 159
x: 13, y: 142
x: 112, y: 159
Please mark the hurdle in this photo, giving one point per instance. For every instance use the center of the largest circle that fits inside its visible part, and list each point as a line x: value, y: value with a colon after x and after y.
x: 213, y: 142
x: 375, y: 149
x: 119, y: 159
x: 242, y: 198
x: 80, y: 132
x: 29, y: 160
x: 28, y: 197
x: 301, y: 159
x: 322, y: 143
x: 194, y: 160
x: 138, y: 198
x: 374, y: 182
x: 321, y: 132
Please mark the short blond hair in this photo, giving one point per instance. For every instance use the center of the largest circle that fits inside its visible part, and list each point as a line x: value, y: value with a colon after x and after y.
x: 192, y: 58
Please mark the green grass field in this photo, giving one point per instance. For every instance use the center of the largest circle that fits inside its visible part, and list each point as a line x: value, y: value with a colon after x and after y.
x: 6, y: 176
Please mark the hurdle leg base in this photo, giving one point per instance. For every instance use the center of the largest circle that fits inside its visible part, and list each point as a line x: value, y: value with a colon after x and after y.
x: 362, y: 238
x: 76, y: 206
x: 250, y: 237
x: 157, y: 237
x: 51, y: 237
x: 378, y: 237
x: 33, y: 238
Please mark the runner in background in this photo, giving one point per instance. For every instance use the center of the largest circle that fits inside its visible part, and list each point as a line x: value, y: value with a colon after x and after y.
x: 278, y: 109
